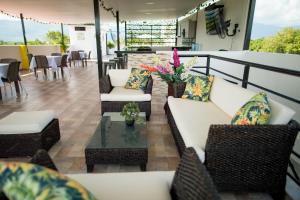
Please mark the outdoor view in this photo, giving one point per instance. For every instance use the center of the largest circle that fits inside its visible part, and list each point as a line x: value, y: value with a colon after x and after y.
x: 36, y: 33
x: 276, y: 28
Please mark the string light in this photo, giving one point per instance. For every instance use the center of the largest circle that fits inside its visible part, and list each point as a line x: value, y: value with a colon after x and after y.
x: 39, y: 21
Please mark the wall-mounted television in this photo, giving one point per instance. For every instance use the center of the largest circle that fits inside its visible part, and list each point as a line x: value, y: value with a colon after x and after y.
x: 214, y: 19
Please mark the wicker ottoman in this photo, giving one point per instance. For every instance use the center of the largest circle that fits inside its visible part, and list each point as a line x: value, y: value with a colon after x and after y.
x: 23, y: 133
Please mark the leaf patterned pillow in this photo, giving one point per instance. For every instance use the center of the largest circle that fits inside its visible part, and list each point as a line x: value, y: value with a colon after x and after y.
x: 198, y: 88
x: 138, y: 79
x: 21, y: 181
x: 256, y: 111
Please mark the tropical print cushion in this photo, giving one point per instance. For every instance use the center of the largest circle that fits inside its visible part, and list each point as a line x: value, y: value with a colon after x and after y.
x: 21, y: 181
x: 256, y: 111
x: 138, y: 79
x: 198, y: 88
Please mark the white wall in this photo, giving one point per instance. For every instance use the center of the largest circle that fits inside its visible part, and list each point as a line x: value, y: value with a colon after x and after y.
x: 86, y: 40
x: 237, y: 11
x: 44, y: 50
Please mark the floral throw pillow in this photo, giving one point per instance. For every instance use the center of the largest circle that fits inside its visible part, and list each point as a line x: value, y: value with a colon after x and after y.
x: 198, y: 88
x: 256, y: 111
x: 138, y: 79
x: 21, y: 181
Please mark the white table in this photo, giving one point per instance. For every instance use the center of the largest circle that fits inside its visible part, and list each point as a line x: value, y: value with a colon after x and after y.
x: 53, y: 61
x: 3, y: 72
x: 82, y: 55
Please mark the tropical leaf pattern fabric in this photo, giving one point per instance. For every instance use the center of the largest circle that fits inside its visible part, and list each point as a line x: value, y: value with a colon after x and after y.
x: 24, y: 181
x: 198, y: 88
x: 138, y: 79
x: 256, y: 111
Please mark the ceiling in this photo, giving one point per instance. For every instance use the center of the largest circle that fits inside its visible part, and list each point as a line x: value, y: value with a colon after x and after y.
x: 81, y: 11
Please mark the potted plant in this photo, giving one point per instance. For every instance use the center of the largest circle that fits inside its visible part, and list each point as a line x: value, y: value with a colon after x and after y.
x: 131, y: 113
x: 110, y: 45
x: 175, y: 75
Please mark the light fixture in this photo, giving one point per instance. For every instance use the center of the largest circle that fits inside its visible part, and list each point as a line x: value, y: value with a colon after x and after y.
x: 148, y: 13
x: 149, y: 3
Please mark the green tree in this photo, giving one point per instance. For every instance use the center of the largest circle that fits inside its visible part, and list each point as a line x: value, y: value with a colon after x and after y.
x: 285, y: 41
x: 55, y: 37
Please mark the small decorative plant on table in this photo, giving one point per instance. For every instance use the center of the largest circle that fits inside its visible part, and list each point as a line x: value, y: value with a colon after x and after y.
x: 131, y: 113
x: 176, y: 75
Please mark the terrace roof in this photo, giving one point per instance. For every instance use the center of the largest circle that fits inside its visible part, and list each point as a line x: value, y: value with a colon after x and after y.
x: 81, y: 11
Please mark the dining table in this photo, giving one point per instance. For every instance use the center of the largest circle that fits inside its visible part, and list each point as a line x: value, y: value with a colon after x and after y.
x: 53, y: 61
x: 81, y: 53
x: 3, y: 74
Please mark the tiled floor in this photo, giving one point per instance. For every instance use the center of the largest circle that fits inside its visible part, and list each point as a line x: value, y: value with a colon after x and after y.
x: 77, y: 104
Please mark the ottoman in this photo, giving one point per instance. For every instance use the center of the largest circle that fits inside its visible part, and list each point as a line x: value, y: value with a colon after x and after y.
x: 23, y: 133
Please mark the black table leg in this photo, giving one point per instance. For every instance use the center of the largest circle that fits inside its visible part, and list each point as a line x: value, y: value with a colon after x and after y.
x: 143, y: 167
x: 17, y: 88
x: 90, y: 168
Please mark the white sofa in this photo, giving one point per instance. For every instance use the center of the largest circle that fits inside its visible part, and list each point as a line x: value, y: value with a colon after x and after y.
x: 114, y: 95
x: 192, y: 119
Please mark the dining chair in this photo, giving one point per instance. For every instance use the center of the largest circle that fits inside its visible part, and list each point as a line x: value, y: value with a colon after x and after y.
x: 55, y: 54
x: 88, y: 57
x: 41, y: 63
x: 8, y: 60
x: 13, y: 76
x: 75, y: 57
x: 64, y: 64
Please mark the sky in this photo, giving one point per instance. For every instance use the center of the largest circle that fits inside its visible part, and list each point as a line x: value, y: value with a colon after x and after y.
x: 270, y: 17
x: 281, y: 13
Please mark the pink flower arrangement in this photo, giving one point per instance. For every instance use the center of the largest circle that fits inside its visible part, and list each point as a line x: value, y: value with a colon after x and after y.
x: 176, y: 58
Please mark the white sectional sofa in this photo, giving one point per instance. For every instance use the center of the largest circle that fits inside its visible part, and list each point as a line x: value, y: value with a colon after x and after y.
x: 190, y: 120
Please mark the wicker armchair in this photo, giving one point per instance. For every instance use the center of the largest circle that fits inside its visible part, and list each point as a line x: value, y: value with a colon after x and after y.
x: 250, y: 158
x: 116, y: 104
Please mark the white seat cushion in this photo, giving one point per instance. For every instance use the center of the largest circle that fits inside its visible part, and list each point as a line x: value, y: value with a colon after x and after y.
x: 26, y: 122
x: 127, y: 186
x: 123, y: 94
x: 193, y: 119
x: 230, y: 98
x: 118, y: 77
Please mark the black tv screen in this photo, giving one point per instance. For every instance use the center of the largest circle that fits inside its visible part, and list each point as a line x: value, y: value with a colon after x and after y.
x: 214, y: 19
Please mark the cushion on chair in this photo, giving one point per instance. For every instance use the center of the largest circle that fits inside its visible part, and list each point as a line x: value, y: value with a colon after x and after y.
x: 138, y: 79
x: 123, y: 94
x: 26, y: 122
x: 193, y: 119
x: 191, y: 180
x: 230, y: 98
x: 198, y: 88
x: 118, y: 77
x: 256, y: 111
x: 28, y: 181
x: 127, y: 186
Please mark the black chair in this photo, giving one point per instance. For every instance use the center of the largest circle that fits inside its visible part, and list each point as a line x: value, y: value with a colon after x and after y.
x: 12, y: 76
x: 75, y: 56
x: 41, y: 63
x: 64, y: 64
x: 55, y: 54
x: 88, y: 57
x: 8, y: 60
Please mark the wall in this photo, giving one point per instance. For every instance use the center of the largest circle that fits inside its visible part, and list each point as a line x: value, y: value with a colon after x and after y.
x: 237, y: 11
x: 14, y: 51
x: 184, y: 24
x: 86, y: 40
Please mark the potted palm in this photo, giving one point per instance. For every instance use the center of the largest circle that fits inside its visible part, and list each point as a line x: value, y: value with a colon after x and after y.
x: 110, y: 45
x: 131, y: 113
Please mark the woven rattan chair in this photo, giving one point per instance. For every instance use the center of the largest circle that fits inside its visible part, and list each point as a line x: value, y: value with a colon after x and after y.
x: 116, y: 105
x: 55, y: 54
x: 75, y: 57
x: 41, y: 63
x: 64, y: 64
x: 12, y: 76
x: 8, y: 60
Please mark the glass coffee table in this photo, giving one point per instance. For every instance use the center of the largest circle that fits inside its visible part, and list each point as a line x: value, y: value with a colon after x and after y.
x: 116, y: 143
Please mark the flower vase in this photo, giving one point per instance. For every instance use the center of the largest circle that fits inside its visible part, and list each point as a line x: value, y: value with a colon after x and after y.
x: 176, y: 89
x: 129, y: 122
